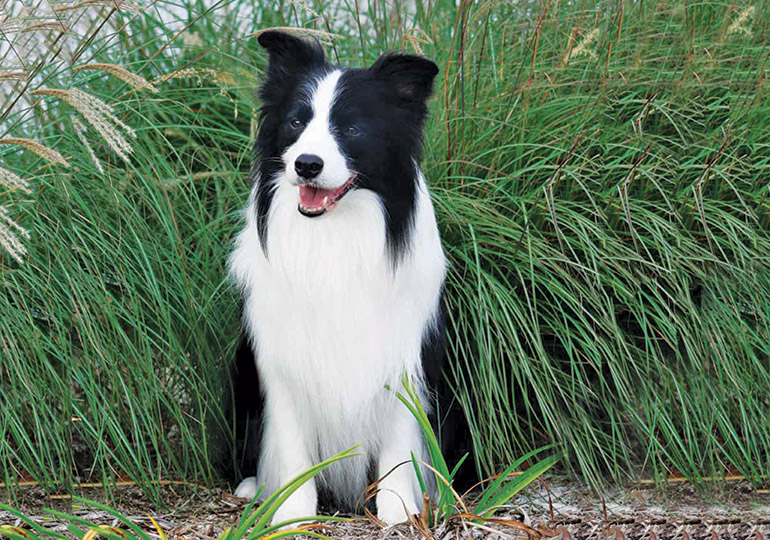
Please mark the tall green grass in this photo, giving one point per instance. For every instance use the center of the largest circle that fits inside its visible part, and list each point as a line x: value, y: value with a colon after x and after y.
x: 600, y: 172
x: 610, y: 292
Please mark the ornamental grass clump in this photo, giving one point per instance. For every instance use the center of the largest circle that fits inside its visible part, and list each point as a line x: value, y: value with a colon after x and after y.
x: 600, y: 177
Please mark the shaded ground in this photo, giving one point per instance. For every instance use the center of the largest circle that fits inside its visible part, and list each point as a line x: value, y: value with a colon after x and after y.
x: 556, y: 510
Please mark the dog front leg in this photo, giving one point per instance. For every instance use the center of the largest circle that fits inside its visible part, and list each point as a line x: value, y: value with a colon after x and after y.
x: 286, y: 454
x: 399, y: 492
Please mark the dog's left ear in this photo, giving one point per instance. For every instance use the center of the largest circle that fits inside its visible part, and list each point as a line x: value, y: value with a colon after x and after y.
x: 410, y: 76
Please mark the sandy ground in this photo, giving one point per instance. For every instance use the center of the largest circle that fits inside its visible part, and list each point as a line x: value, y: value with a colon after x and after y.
x: 555, y: 509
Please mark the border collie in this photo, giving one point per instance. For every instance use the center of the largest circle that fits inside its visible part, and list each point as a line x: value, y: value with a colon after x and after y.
x: 341, y: 272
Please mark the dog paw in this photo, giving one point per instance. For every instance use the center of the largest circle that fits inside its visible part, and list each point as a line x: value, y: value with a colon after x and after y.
x: 391, y: 510
x: 299, y: 505
x: 247, y: 488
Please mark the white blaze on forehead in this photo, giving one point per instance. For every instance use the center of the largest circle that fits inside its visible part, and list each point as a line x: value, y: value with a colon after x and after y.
x: 318, y: 139
x: 324, y: 96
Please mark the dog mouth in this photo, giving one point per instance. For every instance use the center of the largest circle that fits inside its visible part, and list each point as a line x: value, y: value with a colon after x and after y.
x: 315, y: 201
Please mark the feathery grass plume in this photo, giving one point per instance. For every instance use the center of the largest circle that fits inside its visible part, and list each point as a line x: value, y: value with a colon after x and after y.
x: 80, y: 131
x: 124, y: 5
x: 328, y: 37
x: 9, y: 236
x: 11, y: 25
x: 416, y: 37
x: 121, y: 73
x: 192, y: 39
x: 296, y: 31
x: 35, y: 147
x: 299, y: 4
x: 740, y: 25
x: 13, y: 76
x: 221, y: 78
x: 13, y: 181
x: 44, y: 25
x: 98, y: 114
x: 201, y: 74
x: 584, y: 47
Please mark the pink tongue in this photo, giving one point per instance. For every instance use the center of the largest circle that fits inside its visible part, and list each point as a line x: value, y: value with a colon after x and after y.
x: 314, y: 197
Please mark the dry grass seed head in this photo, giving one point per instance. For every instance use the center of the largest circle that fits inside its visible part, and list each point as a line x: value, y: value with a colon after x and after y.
x: 80, y: 131
x: 9, y: 236
x: 124, y: 5
x: 49, y: 154
x: 45, y: 25
x: 13, y: 181
x: 222, y: 79
x: 584, y: 47
x: 417, y: 37
x: 326, y: 38
x: 11, y: 25
x: 740, y: 25
x: 200, y: 74
x: 97, y: 113
x: 121, y: 73
x: 14, y: 76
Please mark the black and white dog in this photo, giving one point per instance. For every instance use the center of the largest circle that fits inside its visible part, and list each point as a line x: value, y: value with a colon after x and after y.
x: 341, y: 271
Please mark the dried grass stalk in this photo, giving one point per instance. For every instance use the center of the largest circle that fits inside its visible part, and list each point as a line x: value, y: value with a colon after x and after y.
x: 49, y: 154
x: 121, y: 73
x: 10, y: 231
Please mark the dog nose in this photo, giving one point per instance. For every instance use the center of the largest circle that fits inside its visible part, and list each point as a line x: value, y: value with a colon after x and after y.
x: 308, y: 166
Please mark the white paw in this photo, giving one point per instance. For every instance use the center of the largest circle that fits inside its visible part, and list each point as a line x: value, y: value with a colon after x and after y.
x: 302, y: 504
x: 392, y: 510
x: 247, y: 488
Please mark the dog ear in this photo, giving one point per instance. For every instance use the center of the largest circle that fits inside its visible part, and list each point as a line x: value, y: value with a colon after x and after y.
x: 288, y: 53
x: 410, y: 76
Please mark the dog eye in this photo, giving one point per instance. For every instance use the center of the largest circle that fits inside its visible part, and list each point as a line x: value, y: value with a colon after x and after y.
x: 352, y: 131
x: 295, y: 123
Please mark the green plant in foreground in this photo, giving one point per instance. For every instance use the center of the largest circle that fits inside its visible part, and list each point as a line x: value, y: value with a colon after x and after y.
x: 254, y: 524
x: 495, y: 491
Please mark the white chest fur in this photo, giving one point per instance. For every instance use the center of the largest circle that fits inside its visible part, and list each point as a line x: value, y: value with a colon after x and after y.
x: 333, y: 322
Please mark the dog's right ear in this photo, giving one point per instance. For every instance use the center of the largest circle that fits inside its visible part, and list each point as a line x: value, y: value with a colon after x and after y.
x: 289, y: 54
x: 411, y: 77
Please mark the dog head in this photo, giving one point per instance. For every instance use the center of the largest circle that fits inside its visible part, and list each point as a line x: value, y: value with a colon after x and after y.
x: 327, y: 130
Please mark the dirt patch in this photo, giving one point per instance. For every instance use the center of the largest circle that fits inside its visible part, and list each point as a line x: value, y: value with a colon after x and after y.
x: 736, y: 511
x: 556, y: 509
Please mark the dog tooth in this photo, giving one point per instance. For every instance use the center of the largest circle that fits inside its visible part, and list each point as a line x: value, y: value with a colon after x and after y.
x: 326, y: 200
